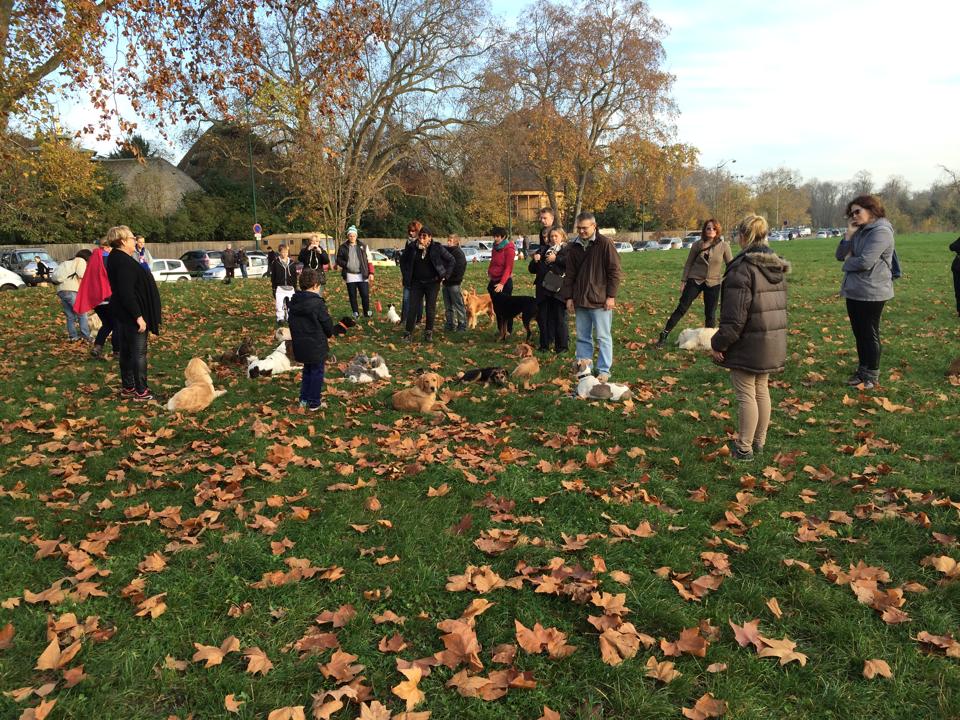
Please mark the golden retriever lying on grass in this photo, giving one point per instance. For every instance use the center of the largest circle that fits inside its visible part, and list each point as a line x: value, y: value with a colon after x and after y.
x: 421, y: 397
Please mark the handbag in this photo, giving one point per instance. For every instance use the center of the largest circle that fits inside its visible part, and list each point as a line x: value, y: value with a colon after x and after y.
x: 551, y: 281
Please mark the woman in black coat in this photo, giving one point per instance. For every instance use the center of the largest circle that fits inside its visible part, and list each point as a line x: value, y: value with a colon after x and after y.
x: 551, y: 257
x: 135, y: 307
x: 424, y: 265
x: 955, y: 268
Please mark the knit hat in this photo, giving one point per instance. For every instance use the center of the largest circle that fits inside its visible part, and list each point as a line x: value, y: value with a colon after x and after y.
x: 353, y: 229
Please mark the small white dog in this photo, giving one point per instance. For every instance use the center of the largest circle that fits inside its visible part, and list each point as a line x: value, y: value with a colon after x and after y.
x: 392, y: 315
x: 364, y: 369
x: 273, y: 364
x: 590, y: 388
x: 696, y: 338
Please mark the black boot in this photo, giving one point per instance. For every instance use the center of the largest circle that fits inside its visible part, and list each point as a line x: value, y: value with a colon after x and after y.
x: 662, y: 340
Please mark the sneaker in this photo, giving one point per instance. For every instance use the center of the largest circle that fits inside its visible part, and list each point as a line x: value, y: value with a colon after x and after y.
x: 145, y: 396
x: 369, y: 313
x: 603, y: 377
x: 757, y: 448
x: 356, y: 315
x: 428, y: 336
x: 854, y: 379
x: 96, y: 351
x: 127, y: 392
x: 662, y: 340
x: 866, y: 385
x: 303, y: 404
x: 738, y: 454
x: 407, y: 337
x: 322, y: 405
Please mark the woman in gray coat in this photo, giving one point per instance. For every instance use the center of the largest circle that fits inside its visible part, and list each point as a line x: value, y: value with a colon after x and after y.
x: 866, y: 252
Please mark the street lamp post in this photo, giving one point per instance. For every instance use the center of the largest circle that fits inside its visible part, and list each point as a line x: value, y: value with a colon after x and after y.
x: 253, y: 184
x: 716, y: 179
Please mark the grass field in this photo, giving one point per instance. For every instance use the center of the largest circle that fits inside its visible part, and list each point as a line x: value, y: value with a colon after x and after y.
x: 128, y: 535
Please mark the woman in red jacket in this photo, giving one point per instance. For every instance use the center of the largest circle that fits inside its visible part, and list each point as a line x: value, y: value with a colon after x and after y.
x: 500, y: 272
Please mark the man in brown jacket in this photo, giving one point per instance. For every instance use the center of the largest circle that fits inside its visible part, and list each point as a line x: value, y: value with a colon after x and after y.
x: 590, y: 289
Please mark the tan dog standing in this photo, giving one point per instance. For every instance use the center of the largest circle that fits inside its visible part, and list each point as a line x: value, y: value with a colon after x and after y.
x: 478, y: 305
x: 199, y: 392
x: 422, y: 397
x: 528, y: 366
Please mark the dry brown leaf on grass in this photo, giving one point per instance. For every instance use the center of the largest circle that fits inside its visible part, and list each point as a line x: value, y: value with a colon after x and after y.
x: 408, y: 690
x: 214, y: 655
x: 287, y: 713
x: 40, y: 712
x: 341, y: 667
x: 53, y: 658
x: 257, y: 661
x: 774, y: 607
x: 438, y: 491
x: 74, y: 676
x: 374, y: 711
x: 6, y: 636
x: 540, y: 639
x: 338, y: 618
x: 393, y: 644
x: 662, y: 671
x: 690, y: 642
x: 231, y: 703
x: 549, y: 714
x: 874, y: 667
x: 782, y: 649
x: 706, y: 707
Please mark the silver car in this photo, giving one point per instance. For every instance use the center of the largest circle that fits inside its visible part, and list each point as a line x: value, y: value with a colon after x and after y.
x: 258, y: 268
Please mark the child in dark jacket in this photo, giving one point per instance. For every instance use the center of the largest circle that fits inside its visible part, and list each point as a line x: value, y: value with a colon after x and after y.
x: 310, y: 326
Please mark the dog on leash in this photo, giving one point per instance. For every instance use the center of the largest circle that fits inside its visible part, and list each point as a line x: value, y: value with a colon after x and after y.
x: 421, y: 397
x: 198, y: 392
x: 508, y: 308
x: 590, y: 388
x: 477, y: 306
x: 696, y: 338
x: 392, y: 315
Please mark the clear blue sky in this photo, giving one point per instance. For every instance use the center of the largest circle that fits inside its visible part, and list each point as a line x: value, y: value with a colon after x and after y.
x: 825, y: 87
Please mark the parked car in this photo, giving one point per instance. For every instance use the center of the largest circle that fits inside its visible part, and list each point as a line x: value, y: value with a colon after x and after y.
x: 623, y: 247
x: 169, y: 271
x: 472, y: 254
x: 378, y: 259
x: 199, y: 261
x: 836, y: 232
x: 9, y: 280
x: 691, y: 237
x: 638, y: 245
x: 688, y: 243
x: 391, y: 253
x: 649, y: 245
x: 257, y: 268
x: 22, y: 262
x: 823, y: 233
x: 670, y: 242
x: 776, y: 237
x: 484, y: 249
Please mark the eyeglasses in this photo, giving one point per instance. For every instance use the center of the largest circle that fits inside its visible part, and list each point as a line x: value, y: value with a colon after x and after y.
x: 578, y: 228
x: 855, y: 212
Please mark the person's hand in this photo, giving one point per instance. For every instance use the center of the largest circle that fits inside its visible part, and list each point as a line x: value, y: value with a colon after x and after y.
x: 570, y: 307
x: 536, y: 257
x: 851, y: 229
x: 141, y: 324
x: 683, y: 286
x: 498, y: 287
x: 717, y: 356
x: 610, y: 304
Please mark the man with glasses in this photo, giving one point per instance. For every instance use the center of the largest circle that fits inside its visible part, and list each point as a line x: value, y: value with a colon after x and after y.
x: 589, y: 288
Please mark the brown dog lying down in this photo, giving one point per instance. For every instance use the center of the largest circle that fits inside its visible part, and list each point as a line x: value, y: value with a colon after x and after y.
x: 199, y: 392
x: 421, y: 397
x: 477, y: 305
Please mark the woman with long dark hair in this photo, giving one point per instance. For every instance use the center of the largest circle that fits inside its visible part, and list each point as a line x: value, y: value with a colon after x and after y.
x: 135, y: 306
x: 866, y: 252
x: 702, y: 273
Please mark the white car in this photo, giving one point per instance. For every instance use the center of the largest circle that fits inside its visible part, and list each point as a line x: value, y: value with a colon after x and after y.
x: 169, y: 271
x: 378, y: 259
x: 257, y: 268
x: 776, y: 237
x: 623, y: 247
x: 670, y: 242
x: 484, y: 249
x: 823, y: 233
x: 9, y: 280
x: 471, y: 253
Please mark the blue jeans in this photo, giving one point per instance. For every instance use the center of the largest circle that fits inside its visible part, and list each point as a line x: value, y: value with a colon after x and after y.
x: 597, y: 321
x: 456, y: 312
x: 67, y: 298
x: 311, y: 384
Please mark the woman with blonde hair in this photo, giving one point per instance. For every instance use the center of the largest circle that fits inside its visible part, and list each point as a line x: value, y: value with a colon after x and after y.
x: 752, y: 338
x: 135, y: 306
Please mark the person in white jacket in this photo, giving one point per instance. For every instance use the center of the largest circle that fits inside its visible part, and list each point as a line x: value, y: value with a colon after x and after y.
x: 67, y: 277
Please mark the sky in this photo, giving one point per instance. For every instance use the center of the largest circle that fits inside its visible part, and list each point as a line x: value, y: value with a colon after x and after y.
x: 824, y: 87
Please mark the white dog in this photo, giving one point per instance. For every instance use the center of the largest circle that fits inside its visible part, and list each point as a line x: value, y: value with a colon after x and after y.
x: 363, y: 369
x: 273, y: 364
x: 392, y: 315
x: 590, y: 388
x: 696, y: 338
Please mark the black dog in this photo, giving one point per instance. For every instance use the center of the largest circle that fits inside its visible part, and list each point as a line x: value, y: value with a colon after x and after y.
x: 344, y: 324
x: 507, y: 308
x: 496, y: 375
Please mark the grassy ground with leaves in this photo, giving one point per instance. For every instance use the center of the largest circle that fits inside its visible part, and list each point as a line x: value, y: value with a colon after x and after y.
x: 306, y: 558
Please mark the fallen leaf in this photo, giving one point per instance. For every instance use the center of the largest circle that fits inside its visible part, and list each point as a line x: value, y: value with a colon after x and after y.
x: 6, y: 636
x: 232, y: 704
x: 257, y: 661
x: 706, y: 707
x: 662, y: 671
x: 287, y: 713
x: 408, y: 690
x: 872, y: 668
x: 214, y: 655
x: 775, y: 608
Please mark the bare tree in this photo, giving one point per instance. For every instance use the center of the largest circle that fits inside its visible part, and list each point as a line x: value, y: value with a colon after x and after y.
x: 404, y: 99
x: 826, y: 202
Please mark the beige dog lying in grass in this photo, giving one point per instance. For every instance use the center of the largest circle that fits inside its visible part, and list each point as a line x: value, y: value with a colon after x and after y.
x: 199, y: 392
x: 422, y: 397
x: 696, y: 338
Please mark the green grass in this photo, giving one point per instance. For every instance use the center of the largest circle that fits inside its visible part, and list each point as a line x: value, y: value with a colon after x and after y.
x: 104, y: 450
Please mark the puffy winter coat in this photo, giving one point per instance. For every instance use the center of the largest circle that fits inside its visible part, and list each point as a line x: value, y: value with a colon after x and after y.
x: 867, y: 272
x: 310, y: 326
x: 753, y: 312
x: 441, y: 260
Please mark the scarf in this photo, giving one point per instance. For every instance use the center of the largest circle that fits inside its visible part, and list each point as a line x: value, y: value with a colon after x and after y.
x: 94, y: 286
x: 502, y: 244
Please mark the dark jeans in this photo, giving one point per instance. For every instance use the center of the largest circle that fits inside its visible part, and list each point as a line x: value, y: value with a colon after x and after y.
x: 711, y: 296
x: 456, y: 312
x: 404, y: 307
x: 228, y: 271
x: 133, y: 357
x: 311, y: 384
x: 956, y: 288
x: 106, y: 328
x: 420, y: 291
x: 865, y: 320
x: 243, y: 271
x: 552, y: 321
x: 497, y: 297
x: 364, y: 289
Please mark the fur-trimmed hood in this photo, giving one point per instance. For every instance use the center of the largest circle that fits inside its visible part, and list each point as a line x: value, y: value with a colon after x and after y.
x: 766, y: 261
